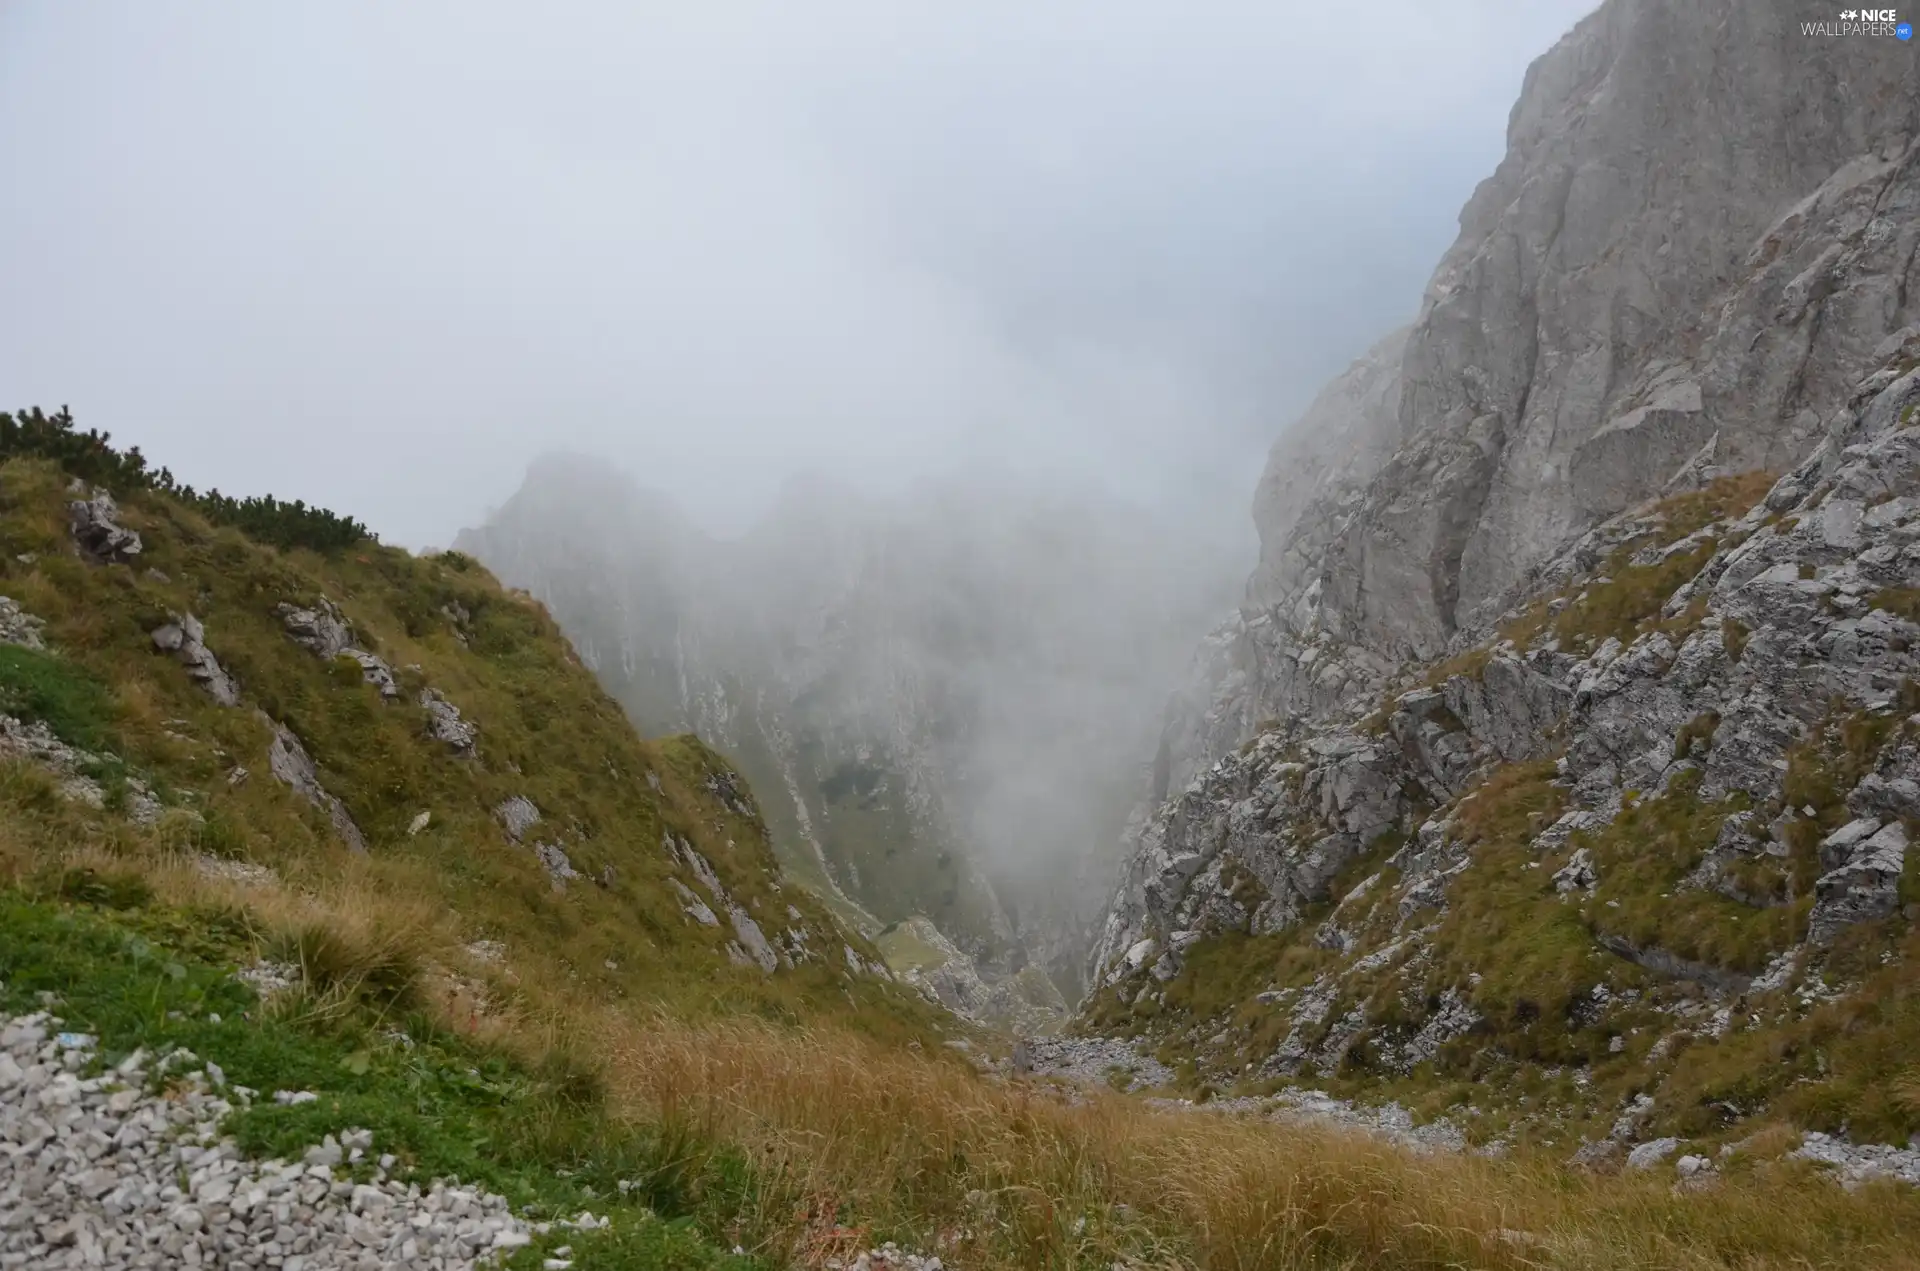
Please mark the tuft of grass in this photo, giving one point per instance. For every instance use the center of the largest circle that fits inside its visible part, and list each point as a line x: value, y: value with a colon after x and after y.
x: 1721, y: 499
x: 1696, y: 735
x: 1901, y: 602
x: 383, y: 966
x: 1631, y: 598
x: 1734, y: 634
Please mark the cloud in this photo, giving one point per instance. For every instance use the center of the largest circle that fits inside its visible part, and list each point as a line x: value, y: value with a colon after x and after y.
x: 379, y: 256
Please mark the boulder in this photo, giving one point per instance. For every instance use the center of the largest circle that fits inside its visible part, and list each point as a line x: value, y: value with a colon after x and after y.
x: 1866, y: 887
x: 293, y: 767
x: 445, y: 724
x: 322, y: 630
x: 185, y: 638
x: 518, y: 815
x: 97, y: 529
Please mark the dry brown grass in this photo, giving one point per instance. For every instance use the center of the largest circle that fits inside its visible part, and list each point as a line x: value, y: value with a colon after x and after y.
x: 855, y: 1140
x: 909, y: 1141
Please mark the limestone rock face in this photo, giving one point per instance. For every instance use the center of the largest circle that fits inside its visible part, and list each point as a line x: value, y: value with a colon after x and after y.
x: 1781, y: 633
x: 1689, y: 194
x: 293, y: 767
x: 97, y: 528
x: 186, y: 638
x: 1702, y: 232
x: 1701, y: 238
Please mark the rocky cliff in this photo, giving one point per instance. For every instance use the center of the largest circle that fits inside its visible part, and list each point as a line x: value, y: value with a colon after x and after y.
x: 1701, y: 231
x: 1538, y: 717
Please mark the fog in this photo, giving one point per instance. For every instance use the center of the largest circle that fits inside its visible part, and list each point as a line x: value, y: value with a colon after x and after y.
x: 379, y: 256
x: 978, y: 663
x: 1016, y: 296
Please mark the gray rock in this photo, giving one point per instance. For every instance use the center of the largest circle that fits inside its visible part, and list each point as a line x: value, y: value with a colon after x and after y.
x: 1578, y: 874
x: 445, y: 724
x: 17, y: 626
x: 1692, y: 1166
x: 753, y: 940
x: 1837, y: 848
x: 185, y: 638
x: 293, y: 767
x: 553, y: 859
x: 1649, y: 1154
x: 697, y: 909
x: 97, y: 529
x: 1865, y: 887
x: 517, y: 815
x: 325, y: 632
x: 322, y: 630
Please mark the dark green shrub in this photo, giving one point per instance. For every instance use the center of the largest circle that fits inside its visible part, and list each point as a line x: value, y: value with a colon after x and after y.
x: 91, y: 456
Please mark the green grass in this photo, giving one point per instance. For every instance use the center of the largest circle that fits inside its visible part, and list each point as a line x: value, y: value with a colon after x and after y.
x: 447, y: 1107
x: 1644, y: 857
x: 40, y: 687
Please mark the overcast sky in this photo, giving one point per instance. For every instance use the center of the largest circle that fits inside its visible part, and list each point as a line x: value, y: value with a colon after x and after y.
x: 379, y: 255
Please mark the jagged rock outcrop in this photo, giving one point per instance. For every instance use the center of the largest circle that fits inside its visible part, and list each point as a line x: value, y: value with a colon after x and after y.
x: 444, y: 723
x: 17, y: 626
x: 97, y: 529
x: 293, y: 767
x: 750, y: 946
x: 322, y: 630
x: 1601, y: 324
x: 325, y: 632
x: 186, y: 638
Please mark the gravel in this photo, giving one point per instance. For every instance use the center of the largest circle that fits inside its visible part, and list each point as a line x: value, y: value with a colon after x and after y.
x: 1389, y: 1121
x: 1858, y: 1163
x: 889, y: 1257
x: 1092, y: 1059
x: 100, y: 1171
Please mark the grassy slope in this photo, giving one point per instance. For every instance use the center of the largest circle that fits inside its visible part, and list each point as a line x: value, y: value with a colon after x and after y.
x: 546, y: 731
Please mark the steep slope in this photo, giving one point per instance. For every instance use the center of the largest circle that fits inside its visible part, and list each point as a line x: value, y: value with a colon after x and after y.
x: 1703, y: 228
x: 1645, y: 853
x: 939, y: 699
x: 171, y: 685
x: 1438, y: 825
